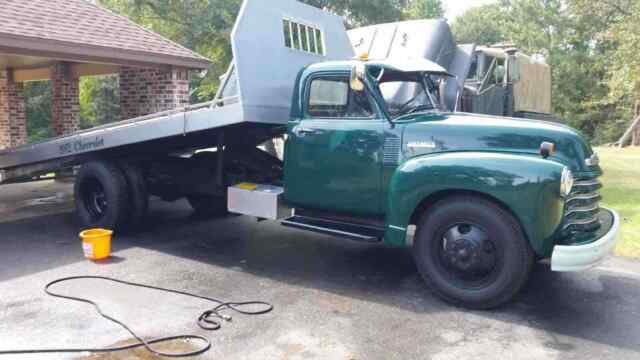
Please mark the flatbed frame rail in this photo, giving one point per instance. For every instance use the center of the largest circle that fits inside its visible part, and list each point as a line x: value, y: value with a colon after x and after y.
x: 52, y: 153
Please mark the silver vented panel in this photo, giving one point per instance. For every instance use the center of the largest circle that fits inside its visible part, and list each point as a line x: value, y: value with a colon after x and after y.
x: 391, y: 151
x: 261, y: 201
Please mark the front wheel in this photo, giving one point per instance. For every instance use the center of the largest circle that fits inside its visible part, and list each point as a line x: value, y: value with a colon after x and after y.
x: 472, y: 252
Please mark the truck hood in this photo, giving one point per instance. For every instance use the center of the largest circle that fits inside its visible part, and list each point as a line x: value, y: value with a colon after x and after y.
x: 446, y: 132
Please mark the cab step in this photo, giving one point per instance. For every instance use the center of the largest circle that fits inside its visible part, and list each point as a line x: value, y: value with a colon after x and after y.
x: 347, y: 230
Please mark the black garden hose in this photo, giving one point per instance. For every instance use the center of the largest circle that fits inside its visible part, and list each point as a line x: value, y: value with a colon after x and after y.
x: 209, y: 320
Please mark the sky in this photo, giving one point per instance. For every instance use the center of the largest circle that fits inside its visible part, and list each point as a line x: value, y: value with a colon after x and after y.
x: 455, y: 8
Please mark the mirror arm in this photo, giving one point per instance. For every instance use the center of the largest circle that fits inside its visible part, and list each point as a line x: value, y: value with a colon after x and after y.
x: 458, y: 93
x: 380, y: 75
x: 425, y: 86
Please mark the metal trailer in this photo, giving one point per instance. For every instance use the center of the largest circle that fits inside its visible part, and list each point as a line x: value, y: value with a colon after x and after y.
x: 493, y: 80
x: 270, y: 45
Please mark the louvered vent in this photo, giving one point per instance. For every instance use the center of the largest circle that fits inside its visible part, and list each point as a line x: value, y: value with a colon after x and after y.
x: 391, y: 151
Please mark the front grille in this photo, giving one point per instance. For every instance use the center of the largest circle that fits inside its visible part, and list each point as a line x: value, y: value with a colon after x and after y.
x: 582, y: 206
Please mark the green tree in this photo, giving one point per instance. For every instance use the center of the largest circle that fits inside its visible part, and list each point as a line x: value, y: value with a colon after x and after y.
x: 614, y: 28
x: 37, y: 97
x: 99, y: 100
x: 363, y: 12
x: 423, y: 9
x: 482, y: 25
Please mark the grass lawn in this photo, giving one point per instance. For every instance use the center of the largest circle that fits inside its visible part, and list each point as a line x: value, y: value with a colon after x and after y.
x: 622, y: 192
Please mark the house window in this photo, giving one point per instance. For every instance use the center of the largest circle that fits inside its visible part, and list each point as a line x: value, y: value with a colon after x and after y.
x: 303, y: 37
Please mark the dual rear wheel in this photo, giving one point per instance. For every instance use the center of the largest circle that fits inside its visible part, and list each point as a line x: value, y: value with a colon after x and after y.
x: 111, y: 195
x: 114, y: 195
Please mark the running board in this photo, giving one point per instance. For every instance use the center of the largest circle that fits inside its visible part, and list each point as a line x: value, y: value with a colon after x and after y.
x: 340, y: 229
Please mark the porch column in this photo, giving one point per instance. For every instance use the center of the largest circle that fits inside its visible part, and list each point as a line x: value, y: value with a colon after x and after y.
x: 147, y: 91
x: 65, y: 100
x: 13, y: 117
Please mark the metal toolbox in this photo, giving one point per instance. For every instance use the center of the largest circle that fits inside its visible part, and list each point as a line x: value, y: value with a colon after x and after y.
x: 262, y: 201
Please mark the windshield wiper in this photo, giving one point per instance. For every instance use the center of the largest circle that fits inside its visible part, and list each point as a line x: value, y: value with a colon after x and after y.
x: 416, y: 109
x: 420, y: 108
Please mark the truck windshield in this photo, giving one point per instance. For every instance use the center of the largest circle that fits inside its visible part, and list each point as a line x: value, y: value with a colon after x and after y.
x: 406, y: 97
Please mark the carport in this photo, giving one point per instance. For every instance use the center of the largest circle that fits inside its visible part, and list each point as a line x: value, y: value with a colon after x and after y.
x: 63, y: 40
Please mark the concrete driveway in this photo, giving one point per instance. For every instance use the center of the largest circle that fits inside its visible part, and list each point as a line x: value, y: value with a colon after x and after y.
x: 333, y: 299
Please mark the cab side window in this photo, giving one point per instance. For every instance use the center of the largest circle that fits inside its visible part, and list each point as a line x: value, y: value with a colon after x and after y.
x: 331, y: 97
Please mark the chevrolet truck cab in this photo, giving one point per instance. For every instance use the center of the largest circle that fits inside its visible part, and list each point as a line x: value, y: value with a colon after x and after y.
x: 371, y: 151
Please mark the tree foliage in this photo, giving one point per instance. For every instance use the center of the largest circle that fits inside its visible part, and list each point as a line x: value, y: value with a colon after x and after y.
x: 423, y: 9
x: 37, y: 95
x: 482, y: 25
x: 99, y: 100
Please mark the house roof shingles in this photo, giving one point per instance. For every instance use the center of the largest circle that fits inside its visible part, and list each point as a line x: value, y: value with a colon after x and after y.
x: 72, y: 26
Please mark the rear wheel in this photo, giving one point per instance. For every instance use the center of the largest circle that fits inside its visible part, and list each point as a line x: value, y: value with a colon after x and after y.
x: 472, y: 252
x: 101, y: 196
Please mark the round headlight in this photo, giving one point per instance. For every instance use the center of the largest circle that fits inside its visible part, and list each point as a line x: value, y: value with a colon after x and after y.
x: 566, y: 182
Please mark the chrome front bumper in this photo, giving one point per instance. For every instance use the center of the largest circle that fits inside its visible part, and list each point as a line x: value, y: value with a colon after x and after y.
x: 584, y: 256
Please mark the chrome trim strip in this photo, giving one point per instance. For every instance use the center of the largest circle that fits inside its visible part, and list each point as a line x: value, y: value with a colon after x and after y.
x: 588, y: 196
x: 397, y: 228
x: 342, y: 222
x: 580, y: 222
x: 345, y: 233
x: 582, y: 210
x: 593, y: 182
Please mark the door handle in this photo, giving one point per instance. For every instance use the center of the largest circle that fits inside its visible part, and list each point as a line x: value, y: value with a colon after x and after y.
x: 302, y: 131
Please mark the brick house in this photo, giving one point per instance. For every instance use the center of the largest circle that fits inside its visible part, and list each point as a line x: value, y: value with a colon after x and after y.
x: 63, y: 40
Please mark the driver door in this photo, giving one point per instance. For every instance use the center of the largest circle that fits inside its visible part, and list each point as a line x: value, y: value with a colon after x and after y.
x: 334, y: 153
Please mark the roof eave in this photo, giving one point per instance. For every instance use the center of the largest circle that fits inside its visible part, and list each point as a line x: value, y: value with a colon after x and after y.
x: 68, y: 51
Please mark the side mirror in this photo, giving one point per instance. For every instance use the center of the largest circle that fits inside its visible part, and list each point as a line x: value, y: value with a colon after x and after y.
x: 357, y: 77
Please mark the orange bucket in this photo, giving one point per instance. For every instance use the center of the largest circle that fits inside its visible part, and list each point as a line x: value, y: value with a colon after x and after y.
x: 96, y: 243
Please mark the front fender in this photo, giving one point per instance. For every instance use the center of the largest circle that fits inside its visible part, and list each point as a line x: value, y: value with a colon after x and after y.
x: 527, y: 185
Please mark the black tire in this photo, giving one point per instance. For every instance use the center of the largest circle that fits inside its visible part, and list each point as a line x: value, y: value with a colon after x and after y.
x: 138, y: 195
x: 208, y: 206
x: 101, y: 196
x: 472, y: 252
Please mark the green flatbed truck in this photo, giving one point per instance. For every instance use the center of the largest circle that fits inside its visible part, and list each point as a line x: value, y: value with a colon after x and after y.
x: 369, y: 152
